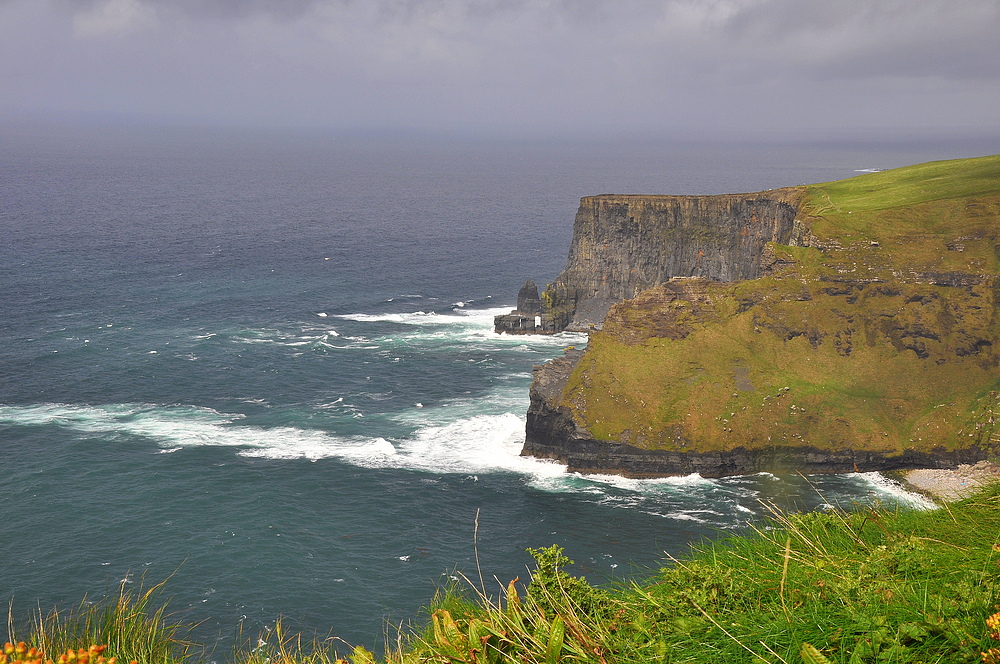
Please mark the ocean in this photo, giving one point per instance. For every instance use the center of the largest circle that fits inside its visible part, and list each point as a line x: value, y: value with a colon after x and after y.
x: 261, y: 366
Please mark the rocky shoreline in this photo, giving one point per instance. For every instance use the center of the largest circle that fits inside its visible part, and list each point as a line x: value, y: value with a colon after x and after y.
x: 951, y: 485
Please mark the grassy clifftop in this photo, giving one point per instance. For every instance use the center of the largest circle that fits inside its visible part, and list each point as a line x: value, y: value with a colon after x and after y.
x: 935, y: 216
x: 881, y: 334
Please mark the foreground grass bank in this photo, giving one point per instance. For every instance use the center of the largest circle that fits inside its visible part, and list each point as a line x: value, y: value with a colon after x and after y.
x: 866, y: 586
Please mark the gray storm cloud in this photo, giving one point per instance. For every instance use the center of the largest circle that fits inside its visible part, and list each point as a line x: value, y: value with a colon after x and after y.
x: 513, y: 66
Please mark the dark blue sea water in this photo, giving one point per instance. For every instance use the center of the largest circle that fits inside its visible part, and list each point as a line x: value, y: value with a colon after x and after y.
x: 263, y: 365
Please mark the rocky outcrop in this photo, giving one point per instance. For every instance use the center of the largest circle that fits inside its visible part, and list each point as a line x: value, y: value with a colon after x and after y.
x: 529, y: 316
x: 813, y: 329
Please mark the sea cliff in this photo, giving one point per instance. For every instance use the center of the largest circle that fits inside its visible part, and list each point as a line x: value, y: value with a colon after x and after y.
x: 829, y: 328
x: 624, y: 244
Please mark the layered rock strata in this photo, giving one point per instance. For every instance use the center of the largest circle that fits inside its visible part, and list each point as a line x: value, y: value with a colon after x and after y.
x: 624, y: 244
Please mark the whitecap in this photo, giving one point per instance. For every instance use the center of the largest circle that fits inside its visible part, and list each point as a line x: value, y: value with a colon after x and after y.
x: 291, y: 443
x: 685, y: 516
x: 413, y: 318
x: 471, y: 329
x: 462, y: 328
x: 174, y: 427
x: 469, y: 437
x: 655, y: 484
x: 469, y: 445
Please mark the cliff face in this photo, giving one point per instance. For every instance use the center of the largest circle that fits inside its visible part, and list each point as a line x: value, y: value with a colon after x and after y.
x: 874, y: 346
x: 623, y: 245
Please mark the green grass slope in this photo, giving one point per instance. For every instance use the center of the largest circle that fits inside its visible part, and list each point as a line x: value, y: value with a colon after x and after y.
x: 881, y: 335
x: 851, y: 588
x: 841, y: 587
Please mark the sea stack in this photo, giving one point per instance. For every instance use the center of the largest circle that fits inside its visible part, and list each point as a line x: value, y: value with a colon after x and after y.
x: 529, y: 316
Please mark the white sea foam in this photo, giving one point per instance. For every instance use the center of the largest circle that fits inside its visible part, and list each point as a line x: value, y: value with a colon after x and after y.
x: 455, y: 438
x: 624, y: 491
x: 174, y: 427
x: 687, y: 515
x: 466, y: 329
x: 114, y: 417
x: 883, y: 487
x: 471, y: 328
x: 471, y: 438
x: 663, y: 483
x: 476, y: 444
x: 455, y: 316
x: 415, y: 318
x: 291, y: 443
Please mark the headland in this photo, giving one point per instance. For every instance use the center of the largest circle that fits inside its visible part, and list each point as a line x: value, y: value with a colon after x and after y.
x: 835, y: 327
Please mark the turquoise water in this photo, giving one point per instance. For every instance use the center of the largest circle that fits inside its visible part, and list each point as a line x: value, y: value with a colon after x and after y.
x: 263, y: 365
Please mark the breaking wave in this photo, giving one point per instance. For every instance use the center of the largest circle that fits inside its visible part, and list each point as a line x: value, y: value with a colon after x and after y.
x: 471, y: 329
x: 473, y: 444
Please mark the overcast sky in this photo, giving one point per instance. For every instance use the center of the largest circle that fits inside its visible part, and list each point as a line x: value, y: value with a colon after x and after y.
x: 515, y: 67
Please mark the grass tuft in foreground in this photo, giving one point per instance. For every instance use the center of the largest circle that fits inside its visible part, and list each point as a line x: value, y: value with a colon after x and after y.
x: 276, y: 646
x: 133, y: 626
x: 561, y: 618
x: 871, y: 586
